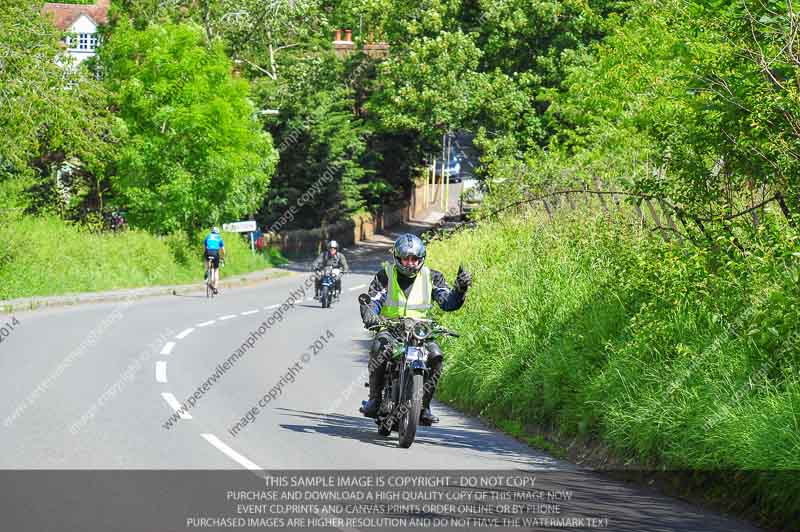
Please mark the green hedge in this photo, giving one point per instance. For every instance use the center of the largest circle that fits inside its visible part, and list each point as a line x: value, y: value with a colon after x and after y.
x: 47, y: 256
x: 675, y: 357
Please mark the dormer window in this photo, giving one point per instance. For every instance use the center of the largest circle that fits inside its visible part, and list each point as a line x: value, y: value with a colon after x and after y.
x: 84, y: 42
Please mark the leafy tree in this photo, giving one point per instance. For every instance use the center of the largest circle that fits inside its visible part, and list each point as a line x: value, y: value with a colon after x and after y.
x: 688, y: 86
x: 50, y: 113
x: 396, y: 21
x: 321, y: 143
x: 430, y: 87
x: 195, y: 154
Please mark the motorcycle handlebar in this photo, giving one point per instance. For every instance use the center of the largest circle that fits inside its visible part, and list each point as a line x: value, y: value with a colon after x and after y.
x: 389, y: 323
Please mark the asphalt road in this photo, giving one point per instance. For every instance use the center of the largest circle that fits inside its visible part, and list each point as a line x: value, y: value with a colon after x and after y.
x: 94, y: 387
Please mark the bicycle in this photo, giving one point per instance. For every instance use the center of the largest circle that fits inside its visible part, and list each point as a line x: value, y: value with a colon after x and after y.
x: 211, y: 289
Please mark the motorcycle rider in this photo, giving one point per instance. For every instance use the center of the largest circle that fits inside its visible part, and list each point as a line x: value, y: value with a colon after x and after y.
x: 408, y: 288
x: 331, y: 257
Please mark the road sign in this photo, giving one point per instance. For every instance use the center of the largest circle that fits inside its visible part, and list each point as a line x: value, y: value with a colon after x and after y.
x: 240, y: 227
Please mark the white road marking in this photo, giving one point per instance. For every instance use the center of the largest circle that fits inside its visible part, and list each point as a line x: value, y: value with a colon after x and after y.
x: 249, y: 312
x: 206, y: 323
x: 359, y: 287
x: 271, y: 307
x: 167, y: 349
x: 228, y: 317
x: 161, y: 371
x: 185, y: 333
x: 309, y: 299
x: 216, y: 442
x: 176, y: 406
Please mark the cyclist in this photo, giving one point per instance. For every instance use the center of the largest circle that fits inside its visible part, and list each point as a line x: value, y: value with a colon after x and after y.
x: 215, y: 249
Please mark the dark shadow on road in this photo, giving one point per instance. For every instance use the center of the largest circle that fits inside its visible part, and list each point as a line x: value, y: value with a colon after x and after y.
x: 613, y: 505
x: 467, y: 435
x: 349, y: 427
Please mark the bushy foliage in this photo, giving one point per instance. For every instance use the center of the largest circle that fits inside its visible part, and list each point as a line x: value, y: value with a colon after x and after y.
x: 50, y: 113
x: 677, y: 357
x: 36, y: 261
x: 195, y: 154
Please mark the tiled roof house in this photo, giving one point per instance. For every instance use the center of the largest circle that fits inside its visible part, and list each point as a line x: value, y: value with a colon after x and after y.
x: 80, y: 20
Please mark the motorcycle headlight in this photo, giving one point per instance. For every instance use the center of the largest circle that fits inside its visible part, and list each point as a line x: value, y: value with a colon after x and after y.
x: 421, y: 331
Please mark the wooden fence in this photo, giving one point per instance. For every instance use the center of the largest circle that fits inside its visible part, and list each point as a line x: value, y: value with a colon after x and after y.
x: 659, y: 214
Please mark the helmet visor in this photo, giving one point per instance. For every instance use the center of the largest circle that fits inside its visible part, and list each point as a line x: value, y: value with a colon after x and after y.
x: 410, y: 261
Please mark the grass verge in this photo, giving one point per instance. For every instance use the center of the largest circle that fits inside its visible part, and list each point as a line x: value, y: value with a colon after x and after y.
x: 672, y: 357
x: 46, y: 256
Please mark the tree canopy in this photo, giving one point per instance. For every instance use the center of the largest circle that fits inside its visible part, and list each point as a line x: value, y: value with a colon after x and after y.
x: 177, y: 131
x: 195, y: 153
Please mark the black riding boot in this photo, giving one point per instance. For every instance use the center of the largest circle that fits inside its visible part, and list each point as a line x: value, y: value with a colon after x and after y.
x: 426, y: 417
x: 371, y: 408
x: 377, y: 374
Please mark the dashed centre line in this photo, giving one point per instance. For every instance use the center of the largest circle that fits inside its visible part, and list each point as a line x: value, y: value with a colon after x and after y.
x: 167, y: 349
x: 219, y: 444
x: 228, y: 317
x: 185, y: 333
x: 206, y: 323
x: 161, y: 371
x: 359, y: 287
x: 247, y: 313
x: 176, y: 406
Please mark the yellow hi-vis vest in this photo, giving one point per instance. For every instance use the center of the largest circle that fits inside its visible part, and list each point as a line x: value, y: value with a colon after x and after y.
x: 419, y: 300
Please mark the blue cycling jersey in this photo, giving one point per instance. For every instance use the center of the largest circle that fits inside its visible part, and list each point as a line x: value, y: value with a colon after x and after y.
x: 214, y: 241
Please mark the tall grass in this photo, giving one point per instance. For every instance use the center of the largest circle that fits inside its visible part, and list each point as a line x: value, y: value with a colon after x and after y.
x: 675, y: 357
x: 47, y: 256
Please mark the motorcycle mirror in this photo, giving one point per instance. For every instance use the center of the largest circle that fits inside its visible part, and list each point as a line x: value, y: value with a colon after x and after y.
x: 364, y: 299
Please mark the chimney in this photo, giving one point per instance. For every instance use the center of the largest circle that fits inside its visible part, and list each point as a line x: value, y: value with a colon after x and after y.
x: 376, y: 50
x: 342, y: 47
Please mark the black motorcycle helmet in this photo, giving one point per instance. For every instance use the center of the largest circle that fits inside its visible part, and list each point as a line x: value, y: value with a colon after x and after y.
x: 406, y: 246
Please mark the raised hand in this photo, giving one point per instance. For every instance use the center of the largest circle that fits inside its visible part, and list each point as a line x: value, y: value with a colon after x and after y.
x: 463, y: 279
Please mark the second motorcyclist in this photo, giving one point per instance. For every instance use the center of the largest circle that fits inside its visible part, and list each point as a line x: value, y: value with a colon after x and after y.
x: 333, y: 258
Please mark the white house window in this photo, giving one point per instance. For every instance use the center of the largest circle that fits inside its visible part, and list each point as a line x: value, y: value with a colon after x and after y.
x: 83, y: 41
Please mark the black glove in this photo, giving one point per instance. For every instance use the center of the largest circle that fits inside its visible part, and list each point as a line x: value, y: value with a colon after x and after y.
x: 463, y: 279
x: 372, y: 321
x: 369, y: 317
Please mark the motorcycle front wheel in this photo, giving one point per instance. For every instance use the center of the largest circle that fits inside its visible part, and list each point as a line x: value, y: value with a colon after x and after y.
x: 325, y: 297
x: 410, y: 405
